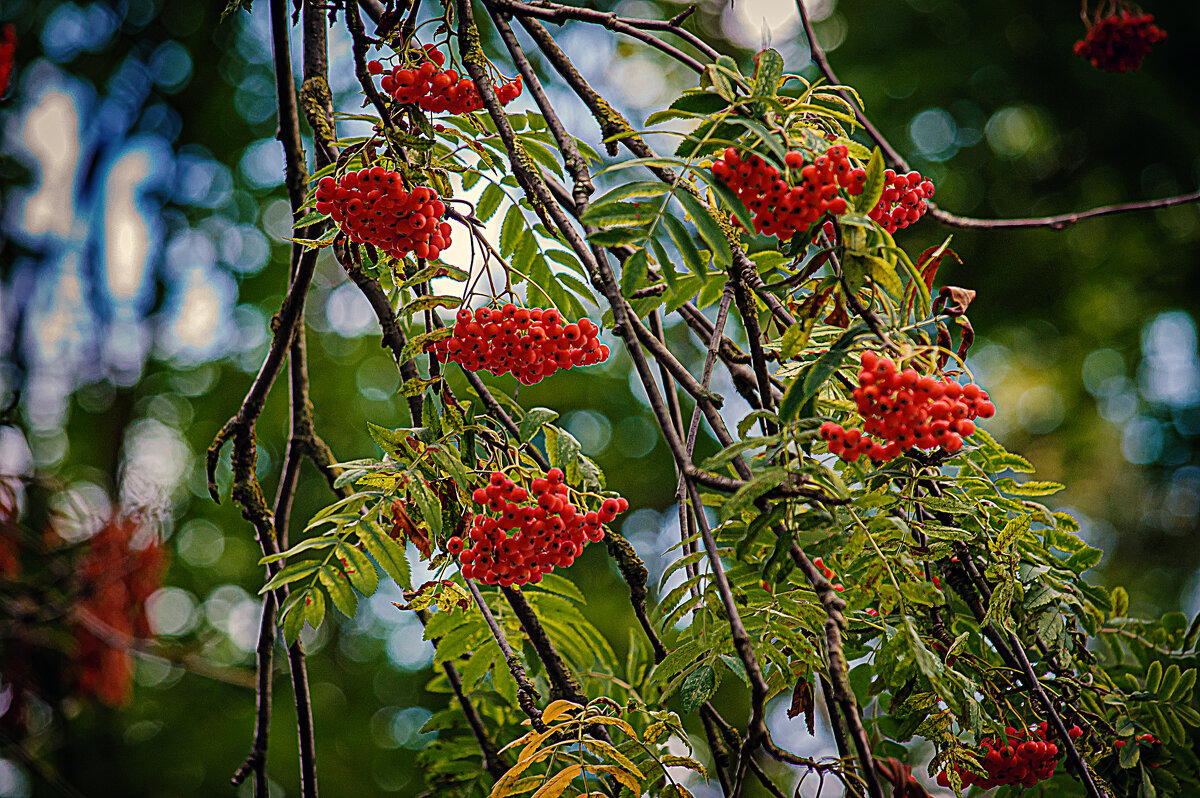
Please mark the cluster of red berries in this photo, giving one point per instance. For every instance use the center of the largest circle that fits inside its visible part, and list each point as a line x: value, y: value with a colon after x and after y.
x: 531, y: 343
x: 435, y: 89
x: 373, y: 207
x: 547, y: 530
x: 1119, y: 42
x: 117, y: 580
x: 8, y: 53
x: 1145, y: 738
x: 1025, y: 757
x: 904, y: 200
x: 780, y: 209
x: 906, y: 409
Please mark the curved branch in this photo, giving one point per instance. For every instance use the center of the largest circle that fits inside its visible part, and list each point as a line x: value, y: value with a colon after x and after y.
x: 1059, y: 222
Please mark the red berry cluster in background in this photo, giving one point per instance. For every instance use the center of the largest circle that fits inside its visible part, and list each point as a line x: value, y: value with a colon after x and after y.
x: 531, y: 343
x: 548, y: 531
x: 904, y: 200
x: 373, y: 207
x: 8, y: 53
x: 782, y: 210
x: 1145, y: 738
x: 1025, y: 758
x: 117, y: 580
x: 435, y: 89
x: 1119, y: 42
x: 906, y: 410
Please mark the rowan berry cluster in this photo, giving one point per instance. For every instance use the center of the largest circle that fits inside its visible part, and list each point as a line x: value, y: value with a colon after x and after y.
x: 8, y: 53
x: 1024, y: 757
x: 117, y: 580
x: 1119, y: 42
x: 904, y: 200
x: 373, y: 207
x: 530, y: 343
x: 1145, y: 738
x: 781, y: 209
x: 523, y: 533
x: 435, y: 89
x: 904, y: 410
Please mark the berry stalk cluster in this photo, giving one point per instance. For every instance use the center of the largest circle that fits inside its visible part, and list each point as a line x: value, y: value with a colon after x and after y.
x: 904, y: 410
x: 1119, y: 42
x: 904, y: 200
x: 523, y: 533
x: 1024, y: 757
x: 781, y: 209
x: 530, y: 343
x: 372, y: 207
x: 435, y: 89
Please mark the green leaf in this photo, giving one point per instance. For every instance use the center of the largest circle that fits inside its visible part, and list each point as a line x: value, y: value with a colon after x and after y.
x: 318, y: 542
x: 795, y: 338
x: 510, y: 231
x: 387, y: 552
x: 699, y: 686
x: 429, y: 302
x: 293, y: 619
x: 430, y: 417
x: 1154, y: 675
x: 613, y: 212
x: 730, y: 200
x: 768, y: 74
x: 760, y: 484
x: 884, y: 275
x: 874, y: 184
x: 340, y: 591
x: 687, y: 248
x: 314, y: 610
x: 1085, y: 558
x: 806, y: 385
x: 566, y: 452
x: 618, y: 236
x: 358, y: 568
x: 1129, y: 754
x: 693, y: 102
x: 633, y: 272
x: 427, y: 502
x: 489, y: 202
x: 533, y: 422
x: 1031, y: 488
x: 710, y: 231
x: 289, y: 574
x: 1120, y: 601
x: 1012, y: 530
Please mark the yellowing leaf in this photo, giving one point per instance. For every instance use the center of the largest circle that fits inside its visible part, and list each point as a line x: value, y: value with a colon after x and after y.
x: 672, y: 761
x: 607, y: 721
x: 517, y: 741
x: 557, y: 709
x: 620, y: 774
x: 601, y: 748
x: 557, y: 785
